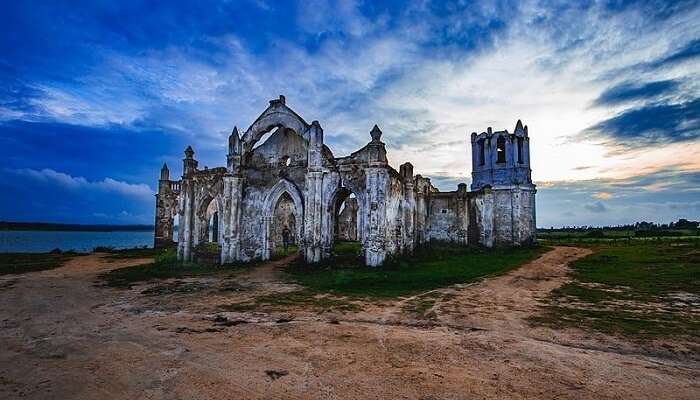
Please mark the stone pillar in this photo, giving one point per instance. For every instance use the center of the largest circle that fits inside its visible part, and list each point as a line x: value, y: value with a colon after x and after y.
x: 463, y: 213
x: 230, y: 248
x: 313, y: 199
x: 377, y: 187
x: 185, y: 236
x: 377, y: 175
x: 409, y: 208
x: 267, y: 237
x: 186, y: 232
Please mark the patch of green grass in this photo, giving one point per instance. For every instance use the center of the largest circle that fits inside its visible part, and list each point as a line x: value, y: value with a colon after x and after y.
x: 621, y: 290
x: 648, y: 270
x: 165, y: 266
x: 634, y: 325
x: 434, y: 266
x: 347, y: 248
x: 420, y: 306
x: 134, y: 253
x: 278, y: 252
x: 21, y: 263
x: 283, y: 301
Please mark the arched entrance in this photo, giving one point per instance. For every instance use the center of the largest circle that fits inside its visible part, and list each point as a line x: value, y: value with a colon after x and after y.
x: 346, y: 210
x: 283, y: 228
x: 283, y: 209
x: 212, y: 227
x: 208, y: 226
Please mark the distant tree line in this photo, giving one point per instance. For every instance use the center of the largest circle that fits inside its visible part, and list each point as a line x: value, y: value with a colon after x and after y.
x: 43, y: 226
x: 682, y: 227
x: 643, y: 225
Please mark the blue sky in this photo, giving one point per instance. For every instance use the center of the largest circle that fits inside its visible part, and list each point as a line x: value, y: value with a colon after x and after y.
x: 96, y: 95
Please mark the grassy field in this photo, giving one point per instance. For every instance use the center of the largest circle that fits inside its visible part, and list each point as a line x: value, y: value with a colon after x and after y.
x: 165, y: 266
x: 435, y: 266
x: 617, y: 237
x: 145, y: 252
x: 20, y: 263
x: 642, y: 290
x: 278, y: 252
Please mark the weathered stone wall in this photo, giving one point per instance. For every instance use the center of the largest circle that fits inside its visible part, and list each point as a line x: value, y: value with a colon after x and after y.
x: 448, y: 217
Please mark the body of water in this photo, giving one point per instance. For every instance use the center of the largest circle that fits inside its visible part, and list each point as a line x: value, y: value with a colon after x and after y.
x: 44, y: 241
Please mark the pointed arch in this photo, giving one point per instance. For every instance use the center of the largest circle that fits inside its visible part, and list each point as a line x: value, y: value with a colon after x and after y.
x: 272, y: 197
x: 202, y: 219
x: 346, y: 186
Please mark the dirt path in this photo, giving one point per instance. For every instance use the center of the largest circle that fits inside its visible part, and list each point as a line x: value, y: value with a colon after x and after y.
x: 63, y: 337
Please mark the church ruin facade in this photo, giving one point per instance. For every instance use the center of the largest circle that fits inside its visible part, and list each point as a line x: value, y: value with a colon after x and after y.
x: 293, y: 182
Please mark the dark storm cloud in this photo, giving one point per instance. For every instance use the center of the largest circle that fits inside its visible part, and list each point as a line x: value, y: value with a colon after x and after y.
x: 651, y: 124
x: 687, y: 52
x: 635, y: 91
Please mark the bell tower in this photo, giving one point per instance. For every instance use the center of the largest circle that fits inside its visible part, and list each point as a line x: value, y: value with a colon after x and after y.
x: 501, y: 159
x: 501, y: 176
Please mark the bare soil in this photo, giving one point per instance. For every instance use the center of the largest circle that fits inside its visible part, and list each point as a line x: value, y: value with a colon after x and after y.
x: 65, y: 336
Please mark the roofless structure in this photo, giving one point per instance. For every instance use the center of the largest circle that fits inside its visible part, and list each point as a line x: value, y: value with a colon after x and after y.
x: 293, y: 182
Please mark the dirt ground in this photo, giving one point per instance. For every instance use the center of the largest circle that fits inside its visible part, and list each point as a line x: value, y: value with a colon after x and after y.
x: 65, y: 336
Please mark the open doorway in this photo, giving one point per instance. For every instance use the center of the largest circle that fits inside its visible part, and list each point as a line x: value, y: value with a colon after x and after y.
x: 283, y: 228
x: 176, y: 227
x: 347, y: 228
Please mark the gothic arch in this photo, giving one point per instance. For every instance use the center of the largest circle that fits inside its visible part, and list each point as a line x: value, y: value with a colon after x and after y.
x: 346, y: 185
x: 270, y: 202
x: 202, y: 219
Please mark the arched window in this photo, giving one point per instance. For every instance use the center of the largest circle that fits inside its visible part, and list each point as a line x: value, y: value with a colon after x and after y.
x: 501, y: 149
x: 482, y: 155
x: 520, y: 150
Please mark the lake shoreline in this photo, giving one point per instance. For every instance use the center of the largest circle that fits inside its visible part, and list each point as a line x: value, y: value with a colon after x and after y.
x: 44, y: 241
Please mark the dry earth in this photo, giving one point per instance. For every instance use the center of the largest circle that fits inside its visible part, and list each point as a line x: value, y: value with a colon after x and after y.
x: 64, y: 336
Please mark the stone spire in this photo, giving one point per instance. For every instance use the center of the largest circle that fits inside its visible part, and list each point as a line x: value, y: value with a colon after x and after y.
x: 376, y: 133
x: 189, y: 153
x: 234, y: 142
x: 164, y: 173
x: 376, y: 150
x: 189, y: 163
x: 519, y: 126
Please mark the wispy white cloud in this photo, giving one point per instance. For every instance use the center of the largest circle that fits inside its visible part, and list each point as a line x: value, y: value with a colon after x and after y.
x: 139, y: 191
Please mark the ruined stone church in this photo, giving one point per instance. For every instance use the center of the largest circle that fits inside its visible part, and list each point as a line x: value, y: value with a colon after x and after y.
x: 292, y: 184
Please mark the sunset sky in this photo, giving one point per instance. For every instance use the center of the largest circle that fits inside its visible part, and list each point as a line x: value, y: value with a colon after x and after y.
x: 96, y: 95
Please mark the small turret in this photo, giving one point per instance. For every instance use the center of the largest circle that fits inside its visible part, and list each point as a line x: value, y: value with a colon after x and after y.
x: 165, y: 173
x: 234, y: 142
x: 376, y: 149
x: 315, y: 150
x: 189, y: 163
x: 235, y: 148
x: 519, y: 126
x: 406, y: 172
x: 376, y: 134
